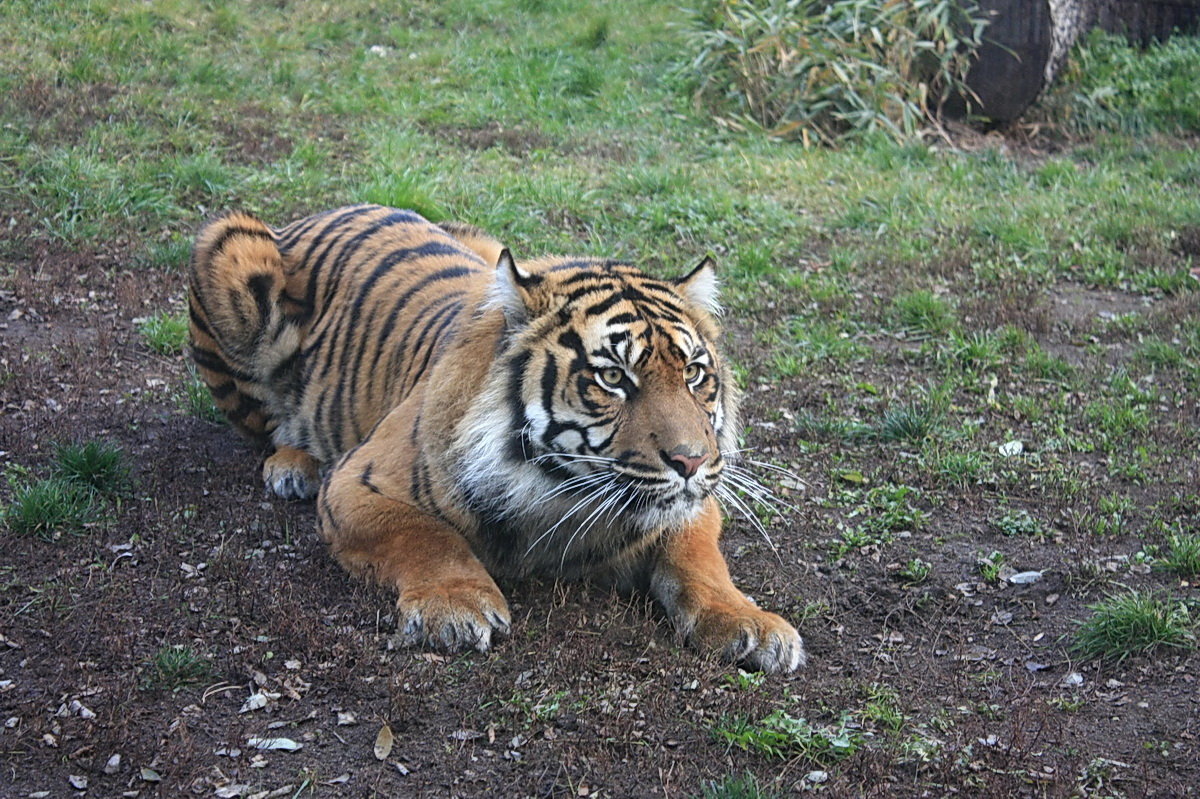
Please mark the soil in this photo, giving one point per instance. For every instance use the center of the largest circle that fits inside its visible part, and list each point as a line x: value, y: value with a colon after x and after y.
x: 590, y: 695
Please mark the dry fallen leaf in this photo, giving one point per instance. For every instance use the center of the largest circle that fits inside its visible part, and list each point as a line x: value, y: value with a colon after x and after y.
x: 383, y: 742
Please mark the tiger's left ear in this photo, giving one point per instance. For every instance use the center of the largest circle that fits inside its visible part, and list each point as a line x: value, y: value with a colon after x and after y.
x: 513, y: 289
x: 700, y: 286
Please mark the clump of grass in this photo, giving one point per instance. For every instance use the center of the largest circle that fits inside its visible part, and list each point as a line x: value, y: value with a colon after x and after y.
x: 196, y: 399
x: 165, y: 332
x: 1044, y: 366
x: 911, y: 422
x: 1159, y: 354
x: 745, y: 786
x: 1183, y: 555
x: 596, y: 35
x: 781, y: 736
x: 49, y: 508
x: 584, y: 80
x: 923, y: 312
x: 959, y: 469
x: 98, y: 465
x: 173, y: 667
x: 976, y: 352
x: 1134, y: 624
x: 404, y: 189
x: 825, y: 71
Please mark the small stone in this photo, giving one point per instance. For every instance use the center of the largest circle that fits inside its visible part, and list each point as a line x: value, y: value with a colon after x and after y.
x: 78, y: 782
x: 113, y: 765
x: 1072, y: 680
x: 816, y: 777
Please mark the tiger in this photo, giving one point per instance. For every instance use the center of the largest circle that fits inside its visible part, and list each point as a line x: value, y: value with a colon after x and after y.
x: 462, y: 418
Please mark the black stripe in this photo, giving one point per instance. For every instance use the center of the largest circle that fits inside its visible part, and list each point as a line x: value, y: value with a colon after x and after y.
x: 429, y: 340
x: 260, y: 285
x: 222, y: 391
x: 518, y: 445
x: 229, y: 232
x: 246, y: 406
x: 216, y: 363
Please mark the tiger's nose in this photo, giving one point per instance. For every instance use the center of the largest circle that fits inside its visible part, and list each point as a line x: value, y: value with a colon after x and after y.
x: 683, y: 461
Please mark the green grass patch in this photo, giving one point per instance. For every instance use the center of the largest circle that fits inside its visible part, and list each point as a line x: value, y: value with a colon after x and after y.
x: 923, y: 313
x: 195, y: 399
x: 1134, y: 623
x: 98, y: 465
x: 49, y: 508
x: 743, y: 786
x: 781, y: 736
x: 165, y: 332
x: 174, y: 667
x: 1111, y: 85
x: 1183, y: 555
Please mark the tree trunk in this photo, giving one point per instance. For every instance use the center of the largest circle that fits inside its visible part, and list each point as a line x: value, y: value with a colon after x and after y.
x: 1025, y: 46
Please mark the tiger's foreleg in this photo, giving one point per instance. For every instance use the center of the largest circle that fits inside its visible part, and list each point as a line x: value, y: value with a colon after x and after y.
x: 691, y: 581
x: 446, y: 596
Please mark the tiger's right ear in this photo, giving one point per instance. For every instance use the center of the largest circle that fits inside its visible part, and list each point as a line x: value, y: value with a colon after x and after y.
x: 513, y: 289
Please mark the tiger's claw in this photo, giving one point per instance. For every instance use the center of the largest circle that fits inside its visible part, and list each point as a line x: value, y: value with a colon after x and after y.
x: 453, y: 618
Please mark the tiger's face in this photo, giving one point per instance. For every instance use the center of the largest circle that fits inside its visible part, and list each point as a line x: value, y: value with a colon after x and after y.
x: 638, y: 396
x: 618, y: 405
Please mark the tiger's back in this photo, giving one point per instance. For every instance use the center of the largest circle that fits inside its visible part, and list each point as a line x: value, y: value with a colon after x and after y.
x: 308, y: 334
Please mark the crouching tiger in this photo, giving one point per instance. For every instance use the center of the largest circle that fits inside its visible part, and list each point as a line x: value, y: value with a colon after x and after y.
x: 472, y: 416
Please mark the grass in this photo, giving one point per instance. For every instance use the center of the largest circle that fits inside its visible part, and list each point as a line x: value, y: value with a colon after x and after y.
x: 923, y: 313
x: 1114, y: 87
x: 83, y: 475
x: 174, y: 667
x: 1019, y: 522
x: 991, y: 565
x: 99, y: 465
x: 196, y: 400
x: 781, y: 736
x: 915, y: 571
x: 165, y: 332
x: 744, y: 786
x: 1183, y: 555
x: 1134, y: 623
x: 49, y: 508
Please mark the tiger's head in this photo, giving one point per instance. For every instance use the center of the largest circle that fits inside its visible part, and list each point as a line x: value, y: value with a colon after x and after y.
x: 619, y: 411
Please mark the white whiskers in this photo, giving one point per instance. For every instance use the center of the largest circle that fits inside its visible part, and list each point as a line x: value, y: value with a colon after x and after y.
x: 740, y: 487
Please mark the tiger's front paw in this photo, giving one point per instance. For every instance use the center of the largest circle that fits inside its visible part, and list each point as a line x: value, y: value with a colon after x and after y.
x: 291, y: 473
x: 743, y: 633
x: 454, y: 614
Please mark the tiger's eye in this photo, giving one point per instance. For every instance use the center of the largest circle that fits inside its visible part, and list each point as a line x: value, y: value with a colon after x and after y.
x: 611, y: 376
x: 693, y: 372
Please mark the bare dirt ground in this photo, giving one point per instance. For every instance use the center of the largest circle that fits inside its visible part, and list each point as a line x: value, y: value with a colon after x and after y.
x: 590, y: 696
